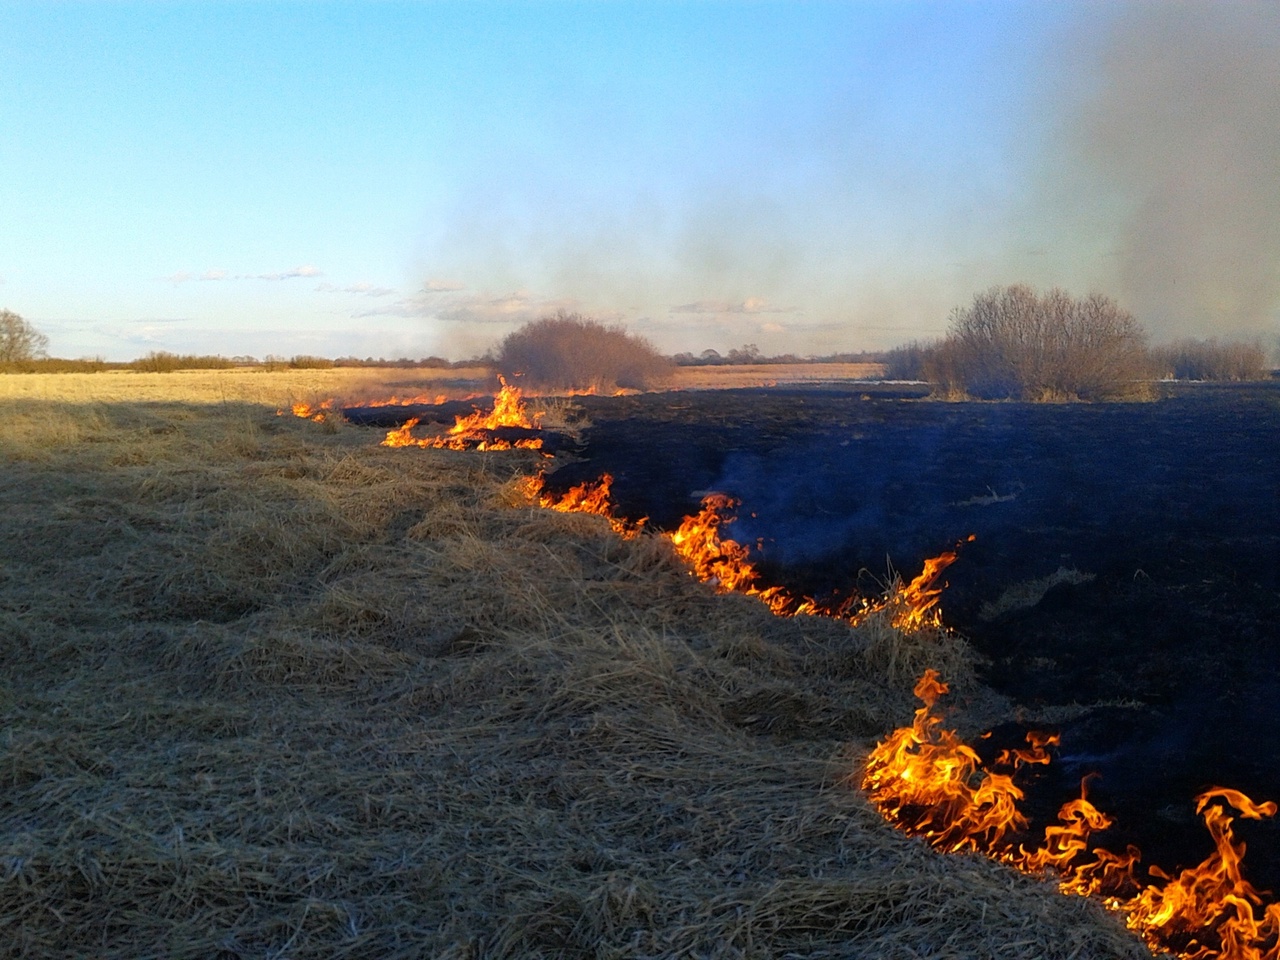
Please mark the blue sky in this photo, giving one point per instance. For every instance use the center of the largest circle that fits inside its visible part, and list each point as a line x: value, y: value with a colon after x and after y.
x: 408, y: 179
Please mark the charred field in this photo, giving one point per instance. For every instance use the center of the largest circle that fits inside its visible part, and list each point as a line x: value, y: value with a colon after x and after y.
x: 1122, y: 588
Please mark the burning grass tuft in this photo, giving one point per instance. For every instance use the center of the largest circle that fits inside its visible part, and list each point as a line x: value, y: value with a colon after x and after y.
x: 269, y: 689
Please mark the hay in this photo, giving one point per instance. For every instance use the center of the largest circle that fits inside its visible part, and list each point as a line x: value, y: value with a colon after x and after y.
x: 270, y: 690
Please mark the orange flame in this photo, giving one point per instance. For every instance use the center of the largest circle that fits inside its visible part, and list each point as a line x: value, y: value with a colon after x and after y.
x: 584, y: 498
x: 927, y: 781
x: 306, y: 411
x: 472, y: 432
x: 725, y: 563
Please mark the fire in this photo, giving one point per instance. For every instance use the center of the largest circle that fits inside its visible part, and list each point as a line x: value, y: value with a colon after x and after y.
x: 931, y: 784
x: 584, y: 498
x: 474, y: 432
x: 725, y: 563
x: 306, y: 411
x: 422, y: 398
x: 927, y: 781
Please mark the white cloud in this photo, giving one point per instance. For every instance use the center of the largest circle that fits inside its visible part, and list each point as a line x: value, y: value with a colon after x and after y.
x: 185, y: 276
x: 749, y: 305
x: 443, y: 286
x: 513, y: 308
x: 362, y: 289
x: 304, y: 271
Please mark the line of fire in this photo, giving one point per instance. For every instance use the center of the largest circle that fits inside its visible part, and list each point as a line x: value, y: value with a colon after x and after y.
x: 924, y: 778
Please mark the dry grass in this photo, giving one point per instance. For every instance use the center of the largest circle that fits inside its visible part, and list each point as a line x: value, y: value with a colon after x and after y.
x: 274, y: 388
x: 270, y: 690
x: 770, y: 374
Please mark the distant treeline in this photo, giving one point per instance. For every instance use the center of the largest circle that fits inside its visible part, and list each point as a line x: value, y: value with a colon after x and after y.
x: 1188, y: 359
x: 165, y: 362
x: 750, y: 354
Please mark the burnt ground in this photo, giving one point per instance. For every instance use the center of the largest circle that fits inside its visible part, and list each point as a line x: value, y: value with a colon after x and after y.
x: 1173, y: 507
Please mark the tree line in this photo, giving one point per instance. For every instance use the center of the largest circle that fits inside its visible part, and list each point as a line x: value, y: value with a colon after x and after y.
x: 1011, y: 342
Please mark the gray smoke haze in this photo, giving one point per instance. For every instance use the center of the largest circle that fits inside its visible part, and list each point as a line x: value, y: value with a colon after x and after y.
x: 1180, y: 126
x: 1129, y: 149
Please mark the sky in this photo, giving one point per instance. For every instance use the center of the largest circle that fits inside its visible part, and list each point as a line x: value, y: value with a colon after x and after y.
x: 411, y: 179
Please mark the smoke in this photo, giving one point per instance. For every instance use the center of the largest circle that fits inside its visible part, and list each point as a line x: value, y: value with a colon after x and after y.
x: 1178, y: 128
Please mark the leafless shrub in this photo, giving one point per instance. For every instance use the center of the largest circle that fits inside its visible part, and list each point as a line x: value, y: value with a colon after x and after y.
x: 572, y: 352
x: 19, y: 340
x: 909, y: 361
x: 1013, y: 343
x: 1212, y: 359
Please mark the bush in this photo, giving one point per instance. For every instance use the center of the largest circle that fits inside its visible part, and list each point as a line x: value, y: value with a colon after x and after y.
x: 1211, y: 360
x: 571, y: 352
x: 160, y: 361
x: 909, y: 361
x: 1013, y: 343
x: 308, y: 362
x: 19, y: 340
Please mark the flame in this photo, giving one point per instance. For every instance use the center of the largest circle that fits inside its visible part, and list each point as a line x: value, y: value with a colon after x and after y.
x: 472, y: 432
x: 422, y: 398
x: 927, y: 781
x: 586, y: 497
x: 725, y: 563
x: 306, y: 411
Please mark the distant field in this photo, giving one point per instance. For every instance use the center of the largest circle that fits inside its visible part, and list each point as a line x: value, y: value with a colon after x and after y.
x: 770, y: 374
x: 360, y: 384
x: 251, y: 385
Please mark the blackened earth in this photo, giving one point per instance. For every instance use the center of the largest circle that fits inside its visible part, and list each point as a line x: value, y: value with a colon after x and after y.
x: 1173, y: 507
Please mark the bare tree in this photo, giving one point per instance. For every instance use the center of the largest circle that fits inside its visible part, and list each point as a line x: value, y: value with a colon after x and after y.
x: 1013, y: 343
x: 570, y: 351
x: 19, y: 340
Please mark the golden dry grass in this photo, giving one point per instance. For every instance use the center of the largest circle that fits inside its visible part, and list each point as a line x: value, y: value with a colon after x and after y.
x: 770, y: 374
x: 353, y: 385
x: 274, y: 388
x: 268, y: 689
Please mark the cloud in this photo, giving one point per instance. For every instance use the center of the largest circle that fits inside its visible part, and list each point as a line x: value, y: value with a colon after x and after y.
x: 304, y: 271
x: 185, y: 276
x: 182, y: 276
x: 443, y: 286
x: 362, y: 289
x: 749, y: 305
x: 513, y: 308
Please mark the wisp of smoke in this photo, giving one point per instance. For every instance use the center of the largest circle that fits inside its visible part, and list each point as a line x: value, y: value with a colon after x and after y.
x: 1183, y: 125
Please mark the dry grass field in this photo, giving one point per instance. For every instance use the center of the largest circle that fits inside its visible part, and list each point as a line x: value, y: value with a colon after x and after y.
x: 269, y: 689
x: 355, y: 385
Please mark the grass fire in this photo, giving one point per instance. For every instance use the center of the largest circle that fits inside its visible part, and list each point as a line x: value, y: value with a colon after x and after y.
x: 271, y: 686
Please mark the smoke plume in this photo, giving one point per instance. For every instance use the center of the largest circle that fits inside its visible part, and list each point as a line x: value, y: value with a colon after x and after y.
x: 1181, y: 123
